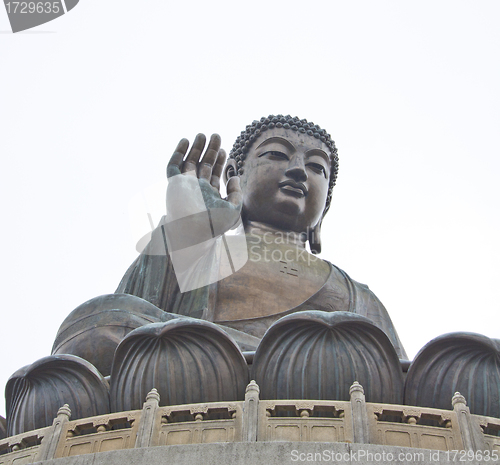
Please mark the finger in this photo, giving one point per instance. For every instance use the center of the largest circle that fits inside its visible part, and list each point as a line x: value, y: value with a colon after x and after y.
x: 175, y: 162
x: 207, y: 162
x: 234, y: 194
x: 193, y: 157
x: 217, y: 170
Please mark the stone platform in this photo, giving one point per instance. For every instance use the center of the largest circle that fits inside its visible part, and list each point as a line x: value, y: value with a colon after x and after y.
x: 273, y: 453
x: 263, y: 431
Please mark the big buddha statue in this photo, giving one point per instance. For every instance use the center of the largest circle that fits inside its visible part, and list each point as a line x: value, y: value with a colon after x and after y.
x: 220, y: 277
x: 229, y: 290
x: 279, y: 176
x: 232, y: 289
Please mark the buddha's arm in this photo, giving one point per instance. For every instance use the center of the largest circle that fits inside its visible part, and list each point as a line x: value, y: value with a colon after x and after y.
x: 196, y: 216
x: 151, y: 277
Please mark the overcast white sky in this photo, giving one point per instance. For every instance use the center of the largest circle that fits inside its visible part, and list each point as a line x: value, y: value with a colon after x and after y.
x: 93, y: 103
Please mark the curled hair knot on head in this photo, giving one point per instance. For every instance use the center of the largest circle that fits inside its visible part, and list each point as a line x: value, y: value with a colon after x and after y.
x: 252, y: 131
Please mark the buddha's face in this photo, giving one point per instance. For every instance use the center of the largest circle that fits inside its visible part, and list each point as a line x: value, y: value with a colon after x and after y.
x: 285, y: 180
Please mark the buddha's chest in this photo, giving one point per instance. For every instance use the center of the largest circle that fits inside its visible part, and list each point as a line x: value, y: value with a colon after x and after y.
x: 273, y: 280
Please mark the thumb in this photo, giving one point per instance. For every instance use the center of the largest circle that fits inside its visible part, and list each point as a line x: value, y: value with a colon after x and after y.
x: 234, y: 193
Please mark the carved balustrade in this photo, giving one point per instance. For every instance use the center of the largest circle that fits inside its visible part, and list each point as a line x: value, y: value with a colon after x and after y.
x: 258, y: 420
x: 22, y: 448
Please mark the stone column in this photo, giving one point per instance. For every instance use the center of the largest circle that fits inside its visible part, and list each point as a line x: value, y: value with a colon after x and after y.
x: 251, y: 412
x: 360, y: 427
x: 147, y: 424
x: 48, y: 448
x: 470, y: 431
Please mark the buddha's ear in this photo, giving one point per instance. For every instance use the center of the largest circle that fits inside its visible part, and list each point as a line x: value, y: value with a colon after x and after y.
x: 230, y: 169
x: 314, y: 237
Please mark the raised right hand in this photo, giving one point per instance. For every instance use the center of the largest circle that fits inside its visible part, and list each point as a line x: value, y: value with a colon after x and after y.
x: 189, y: 176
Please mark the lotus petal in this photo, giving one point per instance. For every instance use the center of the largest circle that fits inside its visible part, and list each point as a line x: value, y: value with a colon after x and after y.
x: 465, y: 362
x: 35, y: 393
x: 318, y: 355
x: 187, y: 361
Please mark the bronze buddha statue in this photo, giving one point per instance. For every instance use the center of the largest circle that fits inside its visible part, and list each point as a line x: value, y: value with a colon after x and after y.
x: 280, y: 174
x: 182, y: 325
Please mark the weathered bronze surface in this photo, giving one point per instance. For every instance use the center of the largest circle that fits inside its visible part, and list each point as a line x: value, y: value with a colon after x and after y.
x: 173, y: 336
x: 186, y: 361
x: 94, y: 329
x: 35, y: 393
x: 465, y: 362
x: 319, y: 355
x: 314, y: 330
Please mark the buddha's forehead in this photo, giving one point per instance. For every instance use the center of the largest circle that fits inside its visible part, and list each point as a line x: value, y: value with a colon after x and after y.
x: 289, y: 137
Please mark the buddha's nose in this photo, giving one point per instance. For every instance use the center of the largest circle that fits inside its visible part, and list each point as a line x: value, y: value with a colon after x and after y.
x: 296, y: 169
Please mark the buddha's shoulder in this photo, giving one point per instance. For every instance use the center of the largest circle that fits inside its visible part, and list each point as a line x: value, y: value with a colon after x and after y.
x: 361, y: 300
x: 359, y: 293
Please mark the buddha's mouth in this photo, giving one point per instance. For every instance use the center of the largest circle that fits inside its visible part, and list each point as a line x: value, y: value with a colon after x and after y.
x: 294, y: 188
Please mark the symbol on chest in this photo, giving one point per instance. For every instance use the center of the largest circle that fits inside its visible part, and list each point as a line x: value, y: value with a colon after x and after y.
x: 288, y: 269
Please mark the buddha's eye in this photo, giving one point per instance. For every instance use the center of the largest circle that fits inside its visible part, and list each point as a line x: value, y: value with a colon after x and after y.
x: 317, y: 168
x: 274, y: 154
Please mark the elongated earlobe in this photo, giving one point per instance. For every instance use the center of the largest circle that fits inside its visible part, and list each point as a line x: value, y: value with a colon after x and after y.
x: 315, y: 238
x: 230, y: 170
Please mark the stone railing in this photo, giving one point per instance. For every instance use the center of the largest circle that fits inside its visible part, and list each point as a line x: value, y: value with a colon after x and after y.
x: 252, y: 420
x: 491, y: 430
x: 23, y: 448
